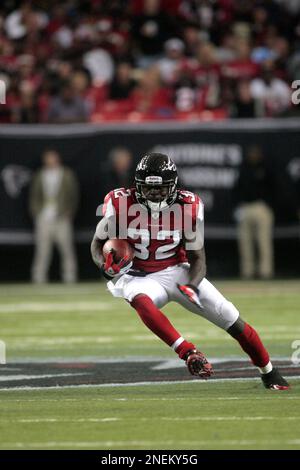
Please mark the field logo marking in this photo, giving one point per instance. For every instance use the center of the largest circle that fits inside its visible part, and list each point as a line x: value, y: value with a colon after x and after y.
x: 2, y: 352
x: 296, y: 354
x: 35, y: 375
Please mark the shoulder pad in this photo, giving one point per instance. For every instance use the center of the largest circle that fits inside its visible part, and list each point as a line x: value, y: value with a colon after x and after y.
x: 120, y: 192
x: 187, y: 197
x: 112, y: 200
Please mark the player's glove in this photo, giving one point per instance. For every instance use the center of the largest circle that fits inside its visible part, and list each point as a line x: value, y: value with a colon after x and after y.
x: 190, y: 292
x: 111, y: 269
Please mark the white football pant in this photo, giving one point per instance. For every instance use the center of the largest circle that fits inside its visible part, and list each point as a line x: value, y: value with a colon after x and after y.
x: 162, y: 288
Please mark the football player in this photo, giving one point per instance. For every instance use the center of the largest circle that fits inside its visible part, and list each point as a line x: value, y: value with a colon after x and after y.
x: 169, y: 264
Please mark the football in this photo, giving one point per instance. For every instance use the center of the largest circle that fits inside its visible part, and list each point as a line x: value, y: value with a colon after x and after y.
x: 120, y: 248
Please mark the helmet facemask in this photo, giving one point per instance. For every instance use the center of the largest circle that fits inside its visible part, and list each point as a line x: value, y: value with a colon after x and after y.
x: 155, y: 193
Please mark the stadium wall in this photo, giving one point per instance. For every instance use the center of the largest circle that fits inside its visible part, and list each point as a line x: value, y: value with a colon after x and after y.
x: 208, y: 156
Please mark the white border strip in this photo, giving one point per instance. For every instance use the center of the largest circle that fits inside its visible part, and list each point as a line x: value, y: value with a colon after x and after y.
x: 221, y: 232
x: 126, y: 359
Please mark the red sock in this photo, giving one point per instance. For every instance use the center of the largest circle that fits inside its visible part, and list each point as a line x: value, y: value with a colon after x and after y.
x: 252, y: 345
x: 157, y: 322
x: 183, y: 348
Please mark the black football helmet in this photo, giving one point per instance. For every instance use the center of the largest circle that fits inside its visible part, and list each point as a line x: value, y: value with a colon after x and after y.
x: 156, y: 181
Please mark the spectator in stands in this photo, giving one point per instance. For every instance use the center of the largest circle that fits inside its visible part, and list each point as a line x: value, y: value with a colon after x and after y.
x: 57, y: 18
x: 123, y: 82
x: 281, y: 50
x: 169, y: 64
x: 192, y: 37
x: 43, y: 43
x: 292, y: 6
x: 207, y: 74
x: 253, y: 196
x: 186, y: 95
x: 27, y: 111
x: 100, y: 65
x: 244, y: 105
x: 226, y: 51
x: 260, y: 21
x: 25, y: 20
x: 8, y: 54
x: 53, y: 203
x: 67, y: 107
x: 293, y: 65
x: 149, y: 97
x: 242, y: 67
x: 120, y: 173
x: 273, y: 93
x: 28, y: 74
x: 201, y: 12
x: 150, y: 31
x: 82, y: 85
x: 64, y: 70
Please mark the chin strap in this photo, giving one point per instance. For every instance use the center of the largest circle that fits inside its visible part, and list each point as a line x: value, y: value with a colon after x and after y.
x: 157, y: 206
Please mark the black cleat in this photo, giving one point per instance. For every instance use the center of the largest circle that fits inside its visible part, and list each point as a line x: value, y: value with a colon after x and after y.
x: 274, y: 381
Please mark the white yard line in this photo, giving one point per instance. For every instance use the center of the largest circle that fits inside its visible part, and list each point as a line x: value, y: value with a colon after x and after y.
x: 156, y: 444
x: 127, y: 359
x: 208, y: 399
x: 8, y: 378
x: 84, y: 359
x: 53, y: 307
x: 153, y: 418
x: 59, y: 420
x: 230, y: 418
x: 55, y: 327
x: 22, y: 343
x: 52, y: 289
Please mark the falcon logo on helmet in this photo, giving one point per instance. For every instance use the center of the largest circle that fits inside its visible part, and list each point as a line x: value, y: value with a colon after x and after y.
x: 156, y: 181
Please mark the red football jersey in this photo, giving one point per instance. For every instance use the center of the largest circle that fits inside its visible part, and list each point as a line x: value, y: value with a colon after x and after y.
x: 158, y: 238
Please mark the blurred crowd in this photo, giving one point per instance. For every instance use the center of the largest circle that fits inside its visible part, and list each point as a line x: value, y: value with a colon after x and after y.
x: 102, y: 60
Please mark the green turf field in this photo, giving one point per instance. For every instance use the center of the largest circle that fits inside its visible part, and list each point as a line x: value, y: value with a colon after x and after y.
x: 83, y: 324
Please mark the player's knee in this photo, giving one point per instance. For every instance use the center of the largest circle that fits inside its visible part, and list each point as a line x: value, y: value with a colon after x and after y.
x: 139, y: 297
x: 158, y: 300
x: 229, y: 313
x: 142, y: 301
x: 236, y: 328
